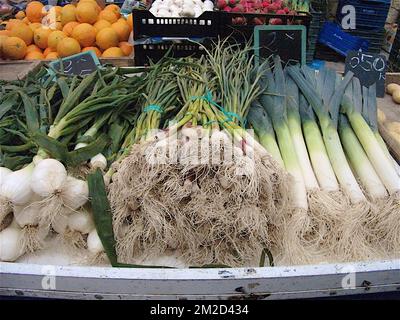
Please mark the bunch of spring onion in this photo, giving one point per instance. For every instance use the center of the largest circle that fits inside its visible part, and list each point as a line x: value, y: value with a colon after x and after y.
x: 56, y: 114
x: 201, y: 185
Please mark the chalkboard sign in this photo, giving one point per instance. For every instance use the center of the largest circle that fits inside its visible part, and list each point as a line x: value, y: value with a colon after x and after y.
x: 80, y: 64
x: 369, y: 68
x: 289, y: 42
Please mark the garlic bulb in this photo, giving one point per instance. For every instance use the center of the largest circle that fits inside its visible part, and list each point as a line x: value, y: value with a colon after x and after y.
x: 48, y: 177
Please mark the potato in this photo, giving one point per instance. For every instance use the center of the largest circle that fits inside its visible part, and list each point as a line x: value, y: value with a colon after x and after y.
x: 391, y: 88
x: 395, y: 136
x: 393, y: 127
x: 381, y: 116
x: 396, y: 96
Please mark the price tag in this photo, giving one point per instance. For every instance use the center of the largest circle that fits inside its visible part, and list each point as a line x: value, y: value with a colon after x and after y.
x: 369, y: 68
x: 80, y: 64
x: 289, y: 42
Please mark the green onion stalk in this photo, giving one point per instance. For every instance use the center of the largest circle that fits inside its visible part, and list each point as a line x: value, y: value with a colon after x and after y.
x: 158, y: 100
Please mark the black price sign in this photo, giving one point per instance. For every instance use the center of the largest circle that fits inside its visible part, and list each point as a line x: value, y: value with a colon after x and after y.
x: 80, y: 64
x: 369, y: 68
x: 289, y: 42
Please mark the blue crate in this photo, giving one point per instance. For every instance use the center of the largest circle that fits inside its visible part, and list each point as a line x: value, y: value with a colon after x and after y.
x: 370, y: 14
x: 335, y: 38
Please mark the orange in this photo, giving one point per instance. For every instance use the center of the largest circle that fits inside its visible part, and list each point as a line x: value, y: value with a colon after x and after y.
x: 93, y: 2
x: 14, y: 48
x: 26, y: 21
x: 101, y: 24
x: 114, y: 8
x: 52, y: 55
x: 20, y: 15
x: 5, y: 33
x: 2, y: 39
x: 33, y: 47
x: 34, y: 11
x: 113, y: 52
x: 40, y: 37
x: 69, y: 27
x: 34, y: 55
x: 108, y: 15
x: 68, y: 47
x: 95, y: 49
x: 35, y: 25
x: 122, y: 29
x: 56, y: 26
x: 107, y: 38
x: 126, y: 48
x: 12, y: 23
x: 23, y: 32
x: 47, y: 51
x: 86, y: 12
x: 85, y: 34
x: 54, y: 38
x: 130, y: 21
x: 68, y: 14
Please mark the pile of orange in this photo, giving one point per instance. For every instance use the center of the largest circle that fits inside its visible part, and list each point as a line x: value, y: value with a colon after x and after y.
x: 62, y: 31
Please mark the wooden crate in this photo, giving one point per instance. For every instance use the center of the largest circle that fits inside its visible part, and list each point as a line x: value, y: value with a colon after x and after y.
x: 17, y: 70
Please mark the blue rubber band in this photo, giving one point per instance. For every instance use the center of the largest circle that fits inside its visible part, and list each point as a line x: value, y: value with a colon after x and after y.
x: 153, y: 107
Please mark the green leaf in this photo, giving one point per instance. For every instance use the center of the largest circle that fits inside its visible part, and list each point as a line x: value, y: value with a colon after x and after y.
x: 54, y: 148
x: 32, y: 118
x: 102, y: 214
x: 76, y: 157
x: 7, y: 104
x: 60, y: 151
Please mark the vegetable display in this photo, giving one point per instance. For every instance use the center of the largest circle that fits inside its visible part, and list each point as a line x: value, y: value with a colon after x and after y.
x: 213, y: 160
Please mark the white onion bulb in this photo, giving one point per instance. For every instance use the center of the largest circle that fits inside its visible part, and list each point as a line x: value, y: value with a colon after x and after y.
x: 60, y: 223
x: 10, y: 244
x: 4, y: 172
x: 94, y: 243
x: 75, y: 193
x: 98, y: 161
x: 16, y: 186
x: 48, y: 177
x: 81, y: 221
x: 28, y: 215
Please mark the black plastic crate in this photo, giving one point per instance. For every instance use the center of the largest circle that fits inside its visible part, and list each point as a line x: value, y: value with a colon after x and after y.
x: 240, y: 26
x: 144, y: 53
x: 210, y: 25
x: 146, y: 25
